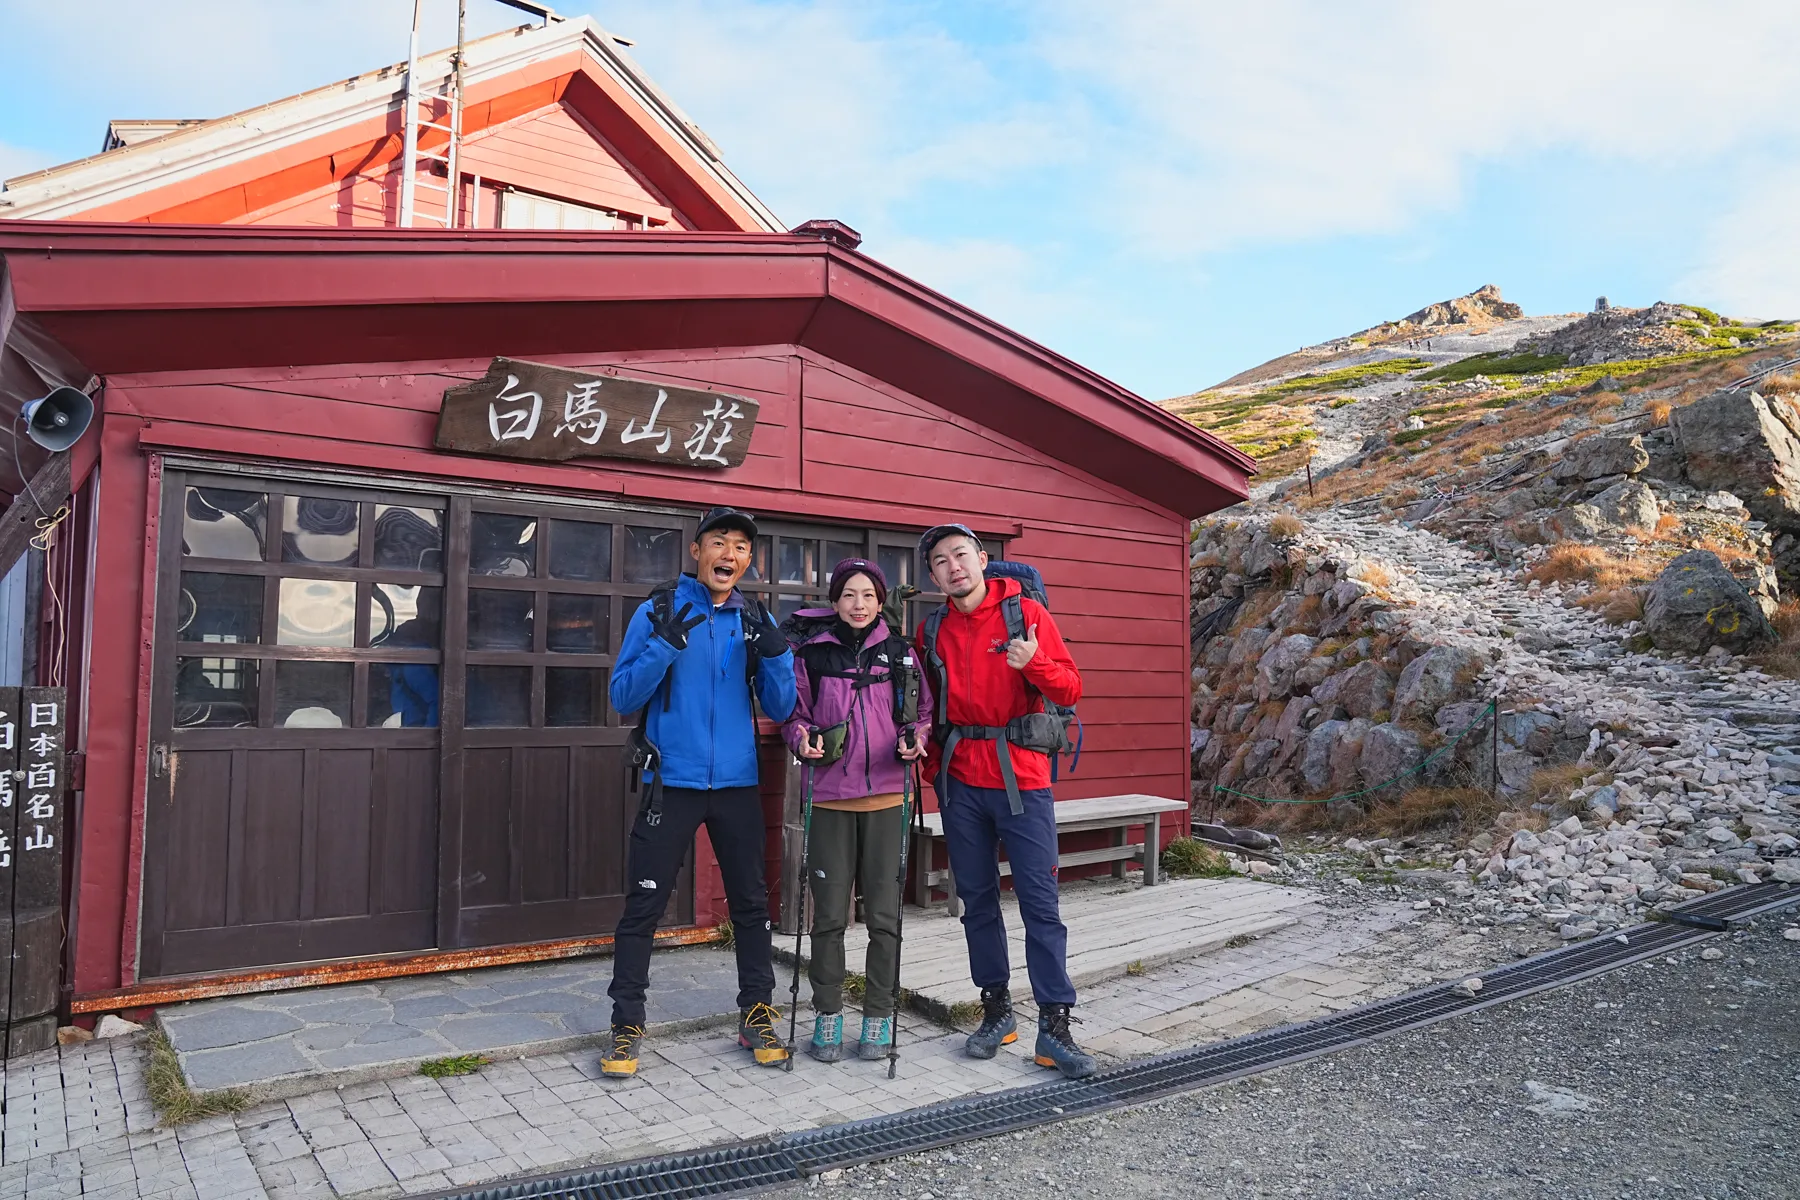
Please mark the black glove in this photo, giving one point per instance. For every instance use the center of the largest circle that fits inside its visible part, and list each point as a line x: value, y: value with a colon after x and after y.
x: 673, y: 627
x: 765, y: 636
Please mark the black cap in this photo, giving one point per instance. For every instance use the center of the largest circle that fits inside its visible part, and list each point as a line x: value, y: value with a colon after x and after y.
x: 727, y: 518
x: 938, y: 533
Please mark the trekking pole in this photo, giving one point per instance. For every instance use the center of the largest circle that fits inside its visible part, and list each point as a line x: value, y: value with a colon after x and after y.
x: 806, y: 801
x: 909, y: 791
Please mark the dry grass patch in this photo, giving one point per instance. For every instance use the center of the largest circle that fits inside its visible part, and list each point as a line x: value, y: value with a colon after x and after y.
x: 1552, y: 784
x: 1783, y: 658
x: 176, y: 1103
x: 1659, y: 411
x: 1286, y: 525
x: 1466, y: 809
x: 1616, y: 606
x: 1572, y: 562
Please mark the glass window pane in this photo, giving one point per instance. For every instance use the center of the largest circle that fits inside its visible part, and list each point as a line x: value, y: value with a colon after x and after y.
x: 758, y: 571
x: 312, y: 695
x: 574, y: 696
x: 502, y: 544
x: 217, y: 523
x: 220, y: 608
x: 651, y: 555
x: 500, y: 620
x: 405, y: 617
x: 836, y: 552
x: 317, y: 530
x: 896, y: 562
x: 580, y: 550
x: 409, y: 539
x: 795, y: 561
x: 579, y: 624
x: 403, y: 695
x: 499, y: 696
x: 215, y: 693
x: 316, y: 612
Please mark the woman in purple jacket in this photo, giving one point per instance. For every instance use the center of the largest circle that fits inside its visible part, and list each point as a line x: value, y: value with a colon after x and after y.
x: 854, y: 730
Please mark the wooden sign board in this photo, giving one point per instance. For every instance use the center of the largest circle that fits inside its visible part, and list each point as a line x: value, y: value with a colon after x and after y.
x: 40, y: 789
x: 530, y: 410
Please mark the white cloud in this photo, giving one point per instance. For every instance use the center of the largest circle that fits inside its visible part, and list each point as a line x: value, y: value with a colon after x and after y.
x: 1296, y: 119
x: 1750, y: 265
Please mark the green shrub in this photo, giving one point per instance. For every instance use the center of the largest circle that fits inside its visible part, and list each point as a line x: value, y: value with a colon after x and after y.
x: 460, y: 1064
x: 1189, y: 858
x: 1497, y: 364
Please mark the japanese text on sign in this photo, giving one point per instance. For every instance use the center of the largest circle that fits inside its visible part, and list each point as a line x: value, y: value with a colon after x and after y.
x: 531, y: 410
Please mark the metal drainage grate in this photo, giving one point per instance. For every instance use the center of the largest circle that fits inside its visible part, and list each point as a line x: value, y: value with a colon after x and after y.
x: 739, y: 1170
x: 778, y: 1161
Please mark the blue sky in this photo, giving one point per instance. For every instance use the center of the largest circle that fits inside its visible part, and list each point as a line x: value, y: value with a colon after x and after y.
x: 1168, y: 191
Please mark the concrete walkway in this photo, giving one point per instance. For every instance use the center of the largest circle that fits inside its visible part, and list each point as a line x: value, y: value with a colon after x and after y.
x: 409, y: 1134
x: 288, y: 1043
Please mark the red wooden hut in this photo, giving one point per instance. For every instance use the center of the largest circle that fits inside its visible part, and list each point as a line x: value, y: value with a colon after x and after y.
x: 266, y: 540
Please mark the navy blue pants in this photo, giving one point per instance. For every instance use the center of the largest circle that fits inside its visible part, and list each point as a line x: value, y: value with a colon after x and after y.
x: 976, y: 821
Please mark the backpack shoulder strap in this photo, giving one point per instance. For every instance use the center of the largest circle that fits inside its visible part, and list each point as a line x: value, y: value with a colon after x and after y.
x: 934, y: 662
x: 1012, y: 608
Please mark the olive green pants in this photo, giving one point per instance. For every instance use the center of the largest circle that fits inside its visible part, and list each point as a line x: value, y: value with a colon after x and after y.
x: 860, y: 849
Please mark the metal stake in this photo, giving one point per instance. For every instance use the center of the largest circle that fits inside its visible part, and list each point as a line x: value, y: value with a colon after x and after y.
x: 806, y: 802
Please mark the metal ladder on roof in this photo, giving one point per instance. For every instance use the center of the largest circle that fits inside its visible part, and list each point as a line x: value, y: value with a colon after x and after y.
x: 449, y: 122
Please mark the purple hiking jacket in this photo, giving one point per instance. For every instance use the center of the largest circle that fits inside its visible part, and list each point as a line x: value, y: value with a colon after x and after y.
x: 871, y: 763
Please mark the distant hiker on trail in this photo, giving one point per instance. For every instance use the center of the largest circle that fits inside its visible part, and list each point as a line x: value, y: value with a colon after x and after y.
x: 691, y: 656
x: 856, y: 724
x: 992, y: 787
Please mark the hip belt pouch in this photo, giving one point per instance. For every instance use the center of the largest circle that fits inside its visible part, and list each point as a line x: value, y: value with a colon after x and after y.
x: 833, y: 738
x: 1038, y: 731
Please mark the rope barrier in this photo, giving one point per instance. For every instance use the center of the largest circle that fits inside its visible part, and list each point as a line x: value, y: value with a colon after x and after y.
x: 1480, y: 718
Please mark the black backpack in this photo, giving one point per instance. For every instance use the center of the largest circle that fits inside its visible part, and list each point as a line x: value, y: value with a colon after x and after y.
x: 644, y: 753
x: 1054, y: 731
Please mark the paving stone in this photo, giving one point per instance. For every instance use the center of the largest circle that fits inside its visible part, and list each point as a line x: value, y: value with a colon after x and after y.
x: 233, y: 1066
x: 228, y: 1025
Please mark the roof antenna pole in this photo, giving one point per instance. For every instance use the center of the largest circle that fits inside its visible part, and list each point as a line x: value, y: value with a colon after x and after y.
x: 453, y: 197
x: 410, y: 149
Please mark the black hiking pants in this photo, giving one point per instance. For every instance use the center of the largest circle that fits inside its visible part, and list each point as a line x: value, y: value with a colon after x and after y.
x: 734, y: 822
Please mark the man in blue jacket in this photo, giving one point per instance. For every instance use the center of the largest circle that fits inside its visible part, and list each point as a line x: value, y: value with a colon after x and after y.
x: 688, y: 658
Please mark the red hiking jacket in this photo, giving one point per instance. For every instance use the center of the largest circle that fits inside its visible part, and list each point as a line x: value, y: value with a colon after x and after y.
x: 983, y: 690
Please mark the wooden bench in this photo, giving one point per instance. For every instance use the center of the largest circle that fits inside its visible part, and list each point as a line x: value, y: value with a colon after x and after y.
x: 1120, y: 814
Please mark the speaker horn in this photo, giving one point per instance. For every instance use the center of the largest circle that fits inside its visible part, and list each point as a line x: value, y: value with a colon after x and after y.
x: 58, y: 420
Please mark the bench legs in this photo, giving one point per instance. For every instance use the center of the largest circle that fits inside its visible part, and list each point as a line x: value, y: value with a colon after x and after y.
x: 1152, y: 851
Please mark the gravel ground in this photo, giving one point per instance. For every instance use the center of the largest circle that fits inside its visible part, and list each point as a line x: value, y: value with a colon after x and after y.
x: 1676, y: 1078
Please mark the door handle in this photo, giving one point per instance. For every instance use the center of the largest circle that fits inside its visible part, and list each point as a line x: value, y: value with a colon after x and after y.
x: 159, y: 760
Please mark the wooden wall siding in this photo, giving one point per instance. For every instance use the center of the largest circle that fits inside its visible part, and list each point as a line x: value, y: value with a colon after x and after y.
x: 552, y: 151
x: 557, y: 153
x: 826, y: 437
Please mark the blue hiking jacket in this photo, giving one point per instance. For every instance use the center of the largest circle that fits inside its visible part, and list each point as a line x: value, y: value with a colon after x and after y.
x: 707, y: 738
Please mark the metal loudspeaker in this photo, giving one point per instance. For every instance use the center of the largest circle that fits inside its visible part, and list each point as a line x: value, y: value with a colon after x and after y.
x: 58, y: 420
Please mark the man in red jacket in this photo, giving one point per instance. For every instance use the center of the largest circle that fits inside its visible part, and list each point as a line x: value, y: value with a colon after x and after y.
x: 992, y: 790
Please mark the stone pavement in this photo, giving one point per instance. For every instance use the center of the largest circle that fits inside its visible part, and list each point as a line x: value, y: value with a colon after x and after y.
x: 288, y: 1043
x: 89, y: 1126
x: 1114, y: 927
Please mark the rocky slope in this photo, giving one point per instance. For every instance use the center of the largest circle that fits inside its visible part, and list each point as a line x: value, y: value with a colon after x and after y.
x: 1596, y: 550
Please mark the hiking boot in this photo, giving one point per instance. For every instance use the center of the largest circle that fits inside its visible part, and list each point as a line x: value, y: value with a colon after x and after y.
x: 756, y: 1033
x: 876, y: 1033
x: 827, y: 1043
x: 997, y: 1025
x: 1056, y: 1045
x: 621, y: 1061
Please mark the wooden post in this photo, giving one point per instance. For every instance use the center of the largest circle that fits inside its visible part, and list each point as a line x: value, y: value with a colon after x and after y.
x: 37, y: 874
x: 1309, y: 483
x: 1494, y: 760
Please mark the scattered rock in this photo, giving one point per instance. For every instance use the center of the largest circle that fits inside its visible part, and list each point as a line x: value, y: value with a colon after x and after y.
x: 1628, y: 504
x: 1741, y: 443
x: 1712, y: 954
x: 1552, y: 1101
x: 72, y: 1035
x: 112, y: 1027
x: 1696, y: 604
x: 1597, y: 457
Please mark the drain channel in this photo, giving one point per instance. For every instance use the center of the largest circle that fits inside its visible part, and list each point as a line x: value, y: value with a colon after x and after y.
x: 788, y: 1158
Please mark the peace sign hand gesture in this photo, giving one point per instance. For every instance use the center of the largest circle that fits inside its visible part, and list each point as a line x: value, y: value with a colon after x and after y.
x: 1020, y: 651
x: 673, y: 627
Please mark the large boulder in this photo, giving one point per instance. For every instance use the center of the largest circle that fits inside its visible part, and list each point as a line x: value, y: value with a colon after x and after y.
x: 1741, y: 443
x: 1628, y: 504
x: 1388, y: 752
x: 1365, y: 689
x: 1275, y: 669
x: 1432, y: 680
x: 1598, y: 457
x: 1315, y: 761
x: 1696, y: 604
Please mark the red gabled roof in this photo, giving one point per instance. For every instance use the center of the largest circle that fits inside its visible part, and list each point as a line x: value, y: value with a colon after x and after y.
x: 232, y: 167
x: 132, y: 299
